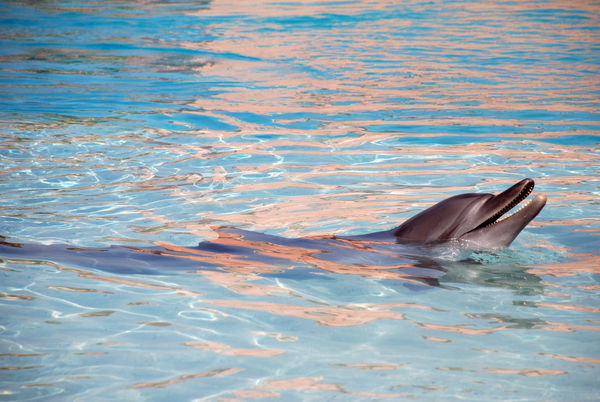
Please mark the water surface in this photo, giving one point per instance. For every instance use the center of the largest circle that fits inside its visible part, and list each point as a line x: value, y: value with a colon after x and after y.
x: 152, y: 124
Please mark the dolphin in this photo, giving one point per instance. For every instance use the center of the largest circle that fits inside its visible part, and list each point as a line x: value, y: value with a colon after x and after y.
x: 474, y: 220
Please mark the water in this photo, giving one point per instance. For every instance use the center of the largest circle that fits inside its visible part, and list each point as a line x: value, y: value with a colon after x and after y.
x: 154, y: 123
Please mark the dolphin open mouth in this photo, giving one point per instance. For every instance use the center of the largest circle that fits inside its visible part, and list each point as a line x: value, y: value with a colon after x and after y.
x: 527, y: 188
x: 498, y: 228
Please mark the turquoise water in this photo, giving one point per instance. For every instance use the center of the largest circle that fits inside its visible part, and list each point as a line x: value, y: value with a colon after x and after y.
x: 154, y: 123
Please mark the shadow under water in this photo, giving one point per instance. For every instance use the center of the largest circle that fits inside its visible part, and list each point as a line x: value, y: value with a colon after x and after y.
x: 245, y: 252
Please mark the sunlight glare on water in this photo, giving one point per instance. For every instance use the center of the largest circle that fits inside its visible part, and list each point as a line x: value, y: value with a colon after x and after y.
x: 153, y: 124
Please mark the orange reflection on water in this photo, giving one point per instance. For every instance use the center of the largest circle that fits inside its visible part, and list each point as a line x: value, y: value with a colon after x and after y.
x: 330, y: 316
x: 218, y: 258
x: 460, y: 329
x: 127, y: 282
x: 364, y: 85
x: 572, y: 358
x: 186, y: 377
x: 13, y: 296
x: 371, y: 366
x: 224, y: 349
x: 568, y: 307
x: 301, y: 383
x: 527, y: 372
x: 436, y: 339
x: 586, y: 262
x: 524, y: 372
x: 240, y: 283
x: 564, y: 327
x: 251, y: 394
x: 589, y: 287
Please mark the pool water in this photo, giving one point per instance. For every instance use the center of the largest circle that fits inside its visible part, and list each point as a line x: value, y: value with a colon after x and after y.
x: 156, y: 124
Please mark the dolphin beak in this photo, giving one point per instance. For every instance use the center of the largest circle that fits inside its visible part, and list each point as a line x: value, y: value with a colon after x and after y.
x: 506, y: 200
x: 499, y: 230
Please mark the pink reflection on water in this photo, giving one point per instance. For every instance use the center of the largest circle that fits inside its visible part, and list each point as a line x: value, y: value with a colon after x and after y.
x: 585, y: 263
x: 186, y: 377
x: 572, y: 358
x: 527, y: 372
x: 242, y: 283
x: 222, y: 348
x: 300, y: 383
x: 361, y: 85
x: 461, y: 329
x: 564, y: 327
x: 329, y: 316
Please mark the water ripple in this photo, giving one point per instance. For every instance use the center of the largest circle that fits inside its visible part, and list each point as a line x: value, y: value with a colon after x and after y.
x: 155, y: 122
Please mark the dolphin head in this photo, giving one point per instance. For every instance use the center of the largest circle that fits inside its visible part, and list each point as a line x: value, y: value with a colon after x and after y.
x: 477, y: 218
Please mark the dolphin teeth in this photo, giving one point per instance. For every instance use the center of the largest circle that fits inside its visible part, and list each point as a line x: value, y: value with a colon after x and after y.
x: 512, y: 213
x: 498, y: 216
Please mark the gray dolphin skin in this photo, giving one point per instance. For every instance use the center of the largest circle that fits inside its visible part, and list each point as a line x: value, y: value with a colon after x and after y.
x: 474, y: 219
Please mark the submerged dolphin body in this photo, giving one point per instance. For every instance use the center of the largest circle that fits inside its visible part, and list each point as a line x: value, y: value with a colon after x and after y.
x: 401, y: 253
